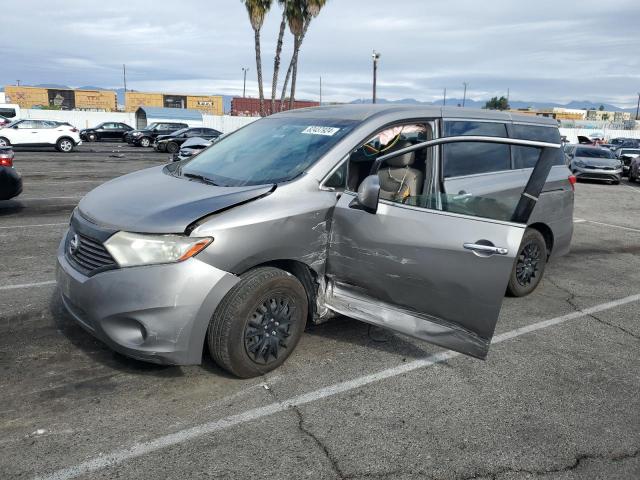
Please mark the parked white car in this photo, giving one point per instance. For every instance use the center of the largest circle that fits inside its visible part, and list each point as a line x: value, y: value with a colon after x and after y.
x: 38, y: 133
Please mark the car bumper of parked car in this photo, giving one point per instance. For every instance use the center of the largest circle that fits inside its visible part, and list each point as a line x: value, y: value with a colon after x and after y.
x: 155, y: 313
x: 160, y: 147
x: 597, y: 174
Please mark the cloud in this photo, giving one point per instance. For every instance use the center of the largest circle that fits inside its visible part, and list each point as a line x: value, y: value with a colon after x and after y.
x: 546, y: 50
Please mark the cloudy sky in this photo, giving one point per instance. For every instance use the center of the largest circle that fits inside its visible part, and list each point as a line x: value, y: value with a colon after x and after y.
x: 543, y: 50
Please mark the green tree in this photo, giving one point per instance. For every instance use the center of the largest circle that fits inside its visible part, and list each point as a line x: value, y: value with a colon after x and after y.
x: 497, y: 104
x: 601, y: 108
x: 257, y: 10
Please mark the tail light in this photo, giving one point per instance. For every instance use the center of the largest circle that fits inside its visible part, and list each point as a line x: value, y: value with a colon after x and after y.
x: 572, y: 181
x: 6, y: 160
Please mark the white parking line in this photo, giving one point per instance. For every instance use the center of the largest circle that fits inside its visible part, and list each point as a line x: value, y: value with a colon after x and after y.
x: 580, y: 220
x: 27, y: 285
x: 65, y: 182
x: 34, y: 226
x: 182, y: 436
x: 75, y: 197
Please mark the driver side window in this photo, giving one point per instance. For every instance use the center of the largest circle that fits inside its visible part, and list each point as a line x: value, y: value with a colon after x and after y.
x: 401, y: 178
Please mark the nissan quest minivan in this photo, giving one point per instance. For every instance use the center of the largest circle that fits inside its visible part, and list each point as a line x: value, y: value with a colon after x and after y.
x: 416, y: 219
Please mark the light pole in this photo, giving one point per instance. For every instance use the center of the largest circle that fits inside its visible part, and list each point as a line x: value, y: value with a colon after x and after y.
x: 244, y: 84
x: 444, y: 97
x: 375, y: 55
x: 638, y: 107
x: 464, y: 96
x: 321, y: 90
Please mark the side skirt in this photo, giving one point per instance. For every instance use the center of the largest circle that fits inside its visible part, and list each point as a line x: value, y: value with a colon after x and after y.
x: 346, y: 300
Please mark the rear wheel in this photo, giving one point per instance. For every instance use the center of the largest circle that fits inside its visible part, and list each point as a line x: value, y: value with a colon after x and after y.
x: 145, y: 141
x: 529, y: 265
x: 4, y: 142
x: 259, y: 322
x: 172, y: 147
x: 65, y: 145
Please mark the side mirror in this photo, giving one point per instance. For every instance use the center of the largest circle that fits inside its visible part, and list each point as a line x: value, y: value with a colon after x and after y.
x: 368, y: 195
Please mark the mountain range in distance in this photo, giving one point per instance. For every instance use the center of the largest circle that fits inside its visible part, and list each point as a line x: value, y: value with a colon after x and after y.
x: 515, y: 104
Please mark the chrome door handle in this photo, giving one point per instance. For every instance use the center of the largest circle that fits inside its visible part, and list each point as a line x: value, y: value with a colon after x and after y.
x: 490, y: 249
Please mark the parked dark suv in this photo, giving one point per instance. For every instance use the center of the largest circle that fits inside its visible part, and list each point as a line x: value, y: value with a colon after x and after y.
x: 105, y: 131
x: 145, y: 137
x: 171, y: 143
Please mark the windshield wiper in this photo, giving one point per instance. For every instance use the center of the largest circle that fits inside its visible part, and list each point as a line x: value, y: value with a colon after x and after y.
x: 202, y: 178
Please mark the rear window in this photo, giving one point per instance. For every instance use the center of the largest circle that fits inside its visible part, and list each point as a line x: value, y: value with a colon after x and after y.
x: 472, y: 158
x: 526, y: 157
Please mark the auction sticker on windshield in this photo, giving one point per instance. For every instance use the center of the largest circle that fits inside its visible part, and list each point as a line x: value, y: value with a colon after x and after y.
x: 314, y: 130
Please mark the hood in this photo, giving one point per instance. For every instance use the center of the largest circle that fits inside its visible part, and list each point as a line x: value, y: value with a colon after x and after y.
x: 196, y: 142
x: 159, y: 138
x: 152, y: 201
x: 599, y: 162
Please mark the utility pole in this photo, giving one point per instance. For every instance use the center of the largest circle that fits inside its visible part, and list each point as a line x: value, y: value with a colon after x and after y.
x: 244, y: 84
x: 320, y: 90
x: 508, y: 92
x: 18, y: 84
x: 444, y: 97
x: 464, y: 96
x: 124, y: 76
x: 638, y: 107
x: 375, y: 55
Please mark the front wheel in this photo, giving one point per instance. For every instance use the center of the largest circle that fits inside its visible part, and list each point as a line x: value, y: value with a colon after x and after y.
x: 529, y: 265
x: 172, y: 147
x: 258, y: 323
x: 4, y: 142
x: 92, y: 137
x: 65, y: 145
x: 145, y: 141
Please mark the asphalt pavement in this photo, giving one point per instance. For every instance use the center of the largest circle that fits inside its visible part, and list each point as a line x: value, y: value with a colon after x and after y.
x: 557, y: 398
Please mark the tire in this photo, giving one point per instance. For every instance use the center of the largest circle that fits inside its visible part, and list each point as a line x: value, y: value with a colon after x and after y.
x: 615, y: 182
x: 161, y: 147
x: 4, y: 142
x: 92, y: 137
x: 144, y: 142
x: 239, y: 329
x: 65, y: 145
x: 529, y: 265
x: 173, y: 147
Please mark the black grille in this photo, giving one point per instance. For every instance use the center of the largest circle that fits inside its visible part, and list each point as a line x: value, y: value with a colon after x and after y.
x: 88, y: 253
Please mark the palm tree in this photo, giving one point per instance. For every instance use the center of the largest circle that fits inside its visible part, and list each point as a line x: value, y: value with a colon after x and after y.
x: 299, y: 16
x: 276, y: 59
x: 257, y: 10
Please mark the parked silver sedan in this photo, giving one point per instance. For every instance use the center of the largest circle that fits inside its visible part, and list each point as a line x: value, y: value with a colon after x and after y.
x: 594, y: 163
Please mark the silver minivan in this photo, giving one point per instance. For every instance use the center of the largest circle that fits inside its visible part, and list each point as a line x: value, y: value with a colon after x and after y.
x: 416, y: 219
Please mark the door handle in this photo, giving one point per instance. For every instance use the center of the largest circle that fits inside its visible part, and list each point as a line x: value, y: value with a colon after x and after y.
x: 486, y: 249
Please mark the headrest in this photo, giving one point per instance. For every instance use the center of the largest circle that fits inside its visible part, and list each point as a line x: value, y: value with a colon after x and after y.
x: 401, y: 160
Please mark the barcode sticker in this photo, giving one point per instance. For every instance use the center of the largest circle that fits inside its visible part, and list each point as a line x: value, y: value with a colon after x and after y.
x: 328, y: 131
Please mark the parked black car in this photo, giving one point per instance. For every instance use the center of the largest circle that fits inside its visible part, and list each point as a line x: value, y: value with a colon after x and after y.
x: 146, y: 136
x: 10, y: 179
x: 619, y: 143
x: 171, y: 143
x: 105, y: 131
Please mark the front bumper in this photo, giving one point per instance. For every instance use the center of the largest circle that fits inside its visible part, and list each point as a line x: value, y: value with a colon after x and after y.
x: 156, y: 313
x: 597, y: 174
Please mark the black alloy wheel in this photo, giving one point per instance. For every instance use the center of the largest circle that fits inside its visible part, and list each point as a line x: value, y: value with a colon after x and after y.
x: 529, y: 265
x: 172, y: 147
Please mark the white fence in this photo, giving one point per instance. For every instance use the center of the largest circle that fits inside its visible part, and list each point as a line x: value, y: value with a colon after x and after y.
x: 80, y: 119
x: 572, y: 133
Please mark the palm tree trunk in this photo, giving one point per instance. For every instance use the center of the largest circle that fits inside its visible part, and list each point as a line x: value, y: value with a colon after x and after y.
x: 276, y: 60
x: 297, y: 42
x: 294, y: 61
x: 259, y: 70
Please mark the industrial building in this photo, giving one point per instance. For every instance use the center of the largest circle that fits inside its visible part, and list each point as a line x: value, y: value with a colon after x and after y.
x: 250, y: 107
x: 211, y: 104
x: 61, y: 98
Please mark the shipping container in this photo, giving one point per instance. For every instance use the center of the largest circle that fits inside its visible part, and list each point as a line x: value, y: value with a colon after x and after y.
x: 250, y: 107
x: 61, y: 98
x: 211, y: 104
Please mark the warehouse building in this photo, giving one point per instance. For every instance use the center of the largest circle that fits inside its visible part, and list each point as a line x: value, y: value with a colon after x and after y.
x: 210, y: 104
x: 250, y: 107
x: 61, y: 98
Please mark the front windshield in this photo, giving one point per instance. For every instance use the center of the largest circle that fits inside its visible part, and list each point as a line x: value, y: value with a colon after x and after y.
x: 15, y: 122
x: 152, y: 126
x: 179, y: 132
x: 594, y: 153
x: 270, y: 150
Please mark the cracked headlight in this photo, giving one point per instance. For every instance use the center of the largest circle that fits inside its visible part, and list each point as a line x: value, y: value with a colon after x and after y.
x: 137, y: 134
x: 131, y: 249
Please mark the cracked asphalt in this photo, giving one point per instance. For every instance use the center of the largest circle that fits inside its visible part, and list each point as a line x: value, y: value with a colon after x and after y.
x: 561, y: 402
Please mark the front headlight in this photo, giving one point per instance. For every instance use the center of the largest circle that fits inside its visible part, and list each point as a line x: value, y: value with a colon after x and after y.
x: 137, y: 134
x: 131, y: 249
x: 579, y: 163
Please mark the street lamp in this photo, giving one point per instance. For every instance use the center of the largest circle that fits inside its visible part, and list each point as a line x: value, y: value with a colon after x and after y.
x: 464, y: 95
x: 375, y: 55
x: 244, y: 85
